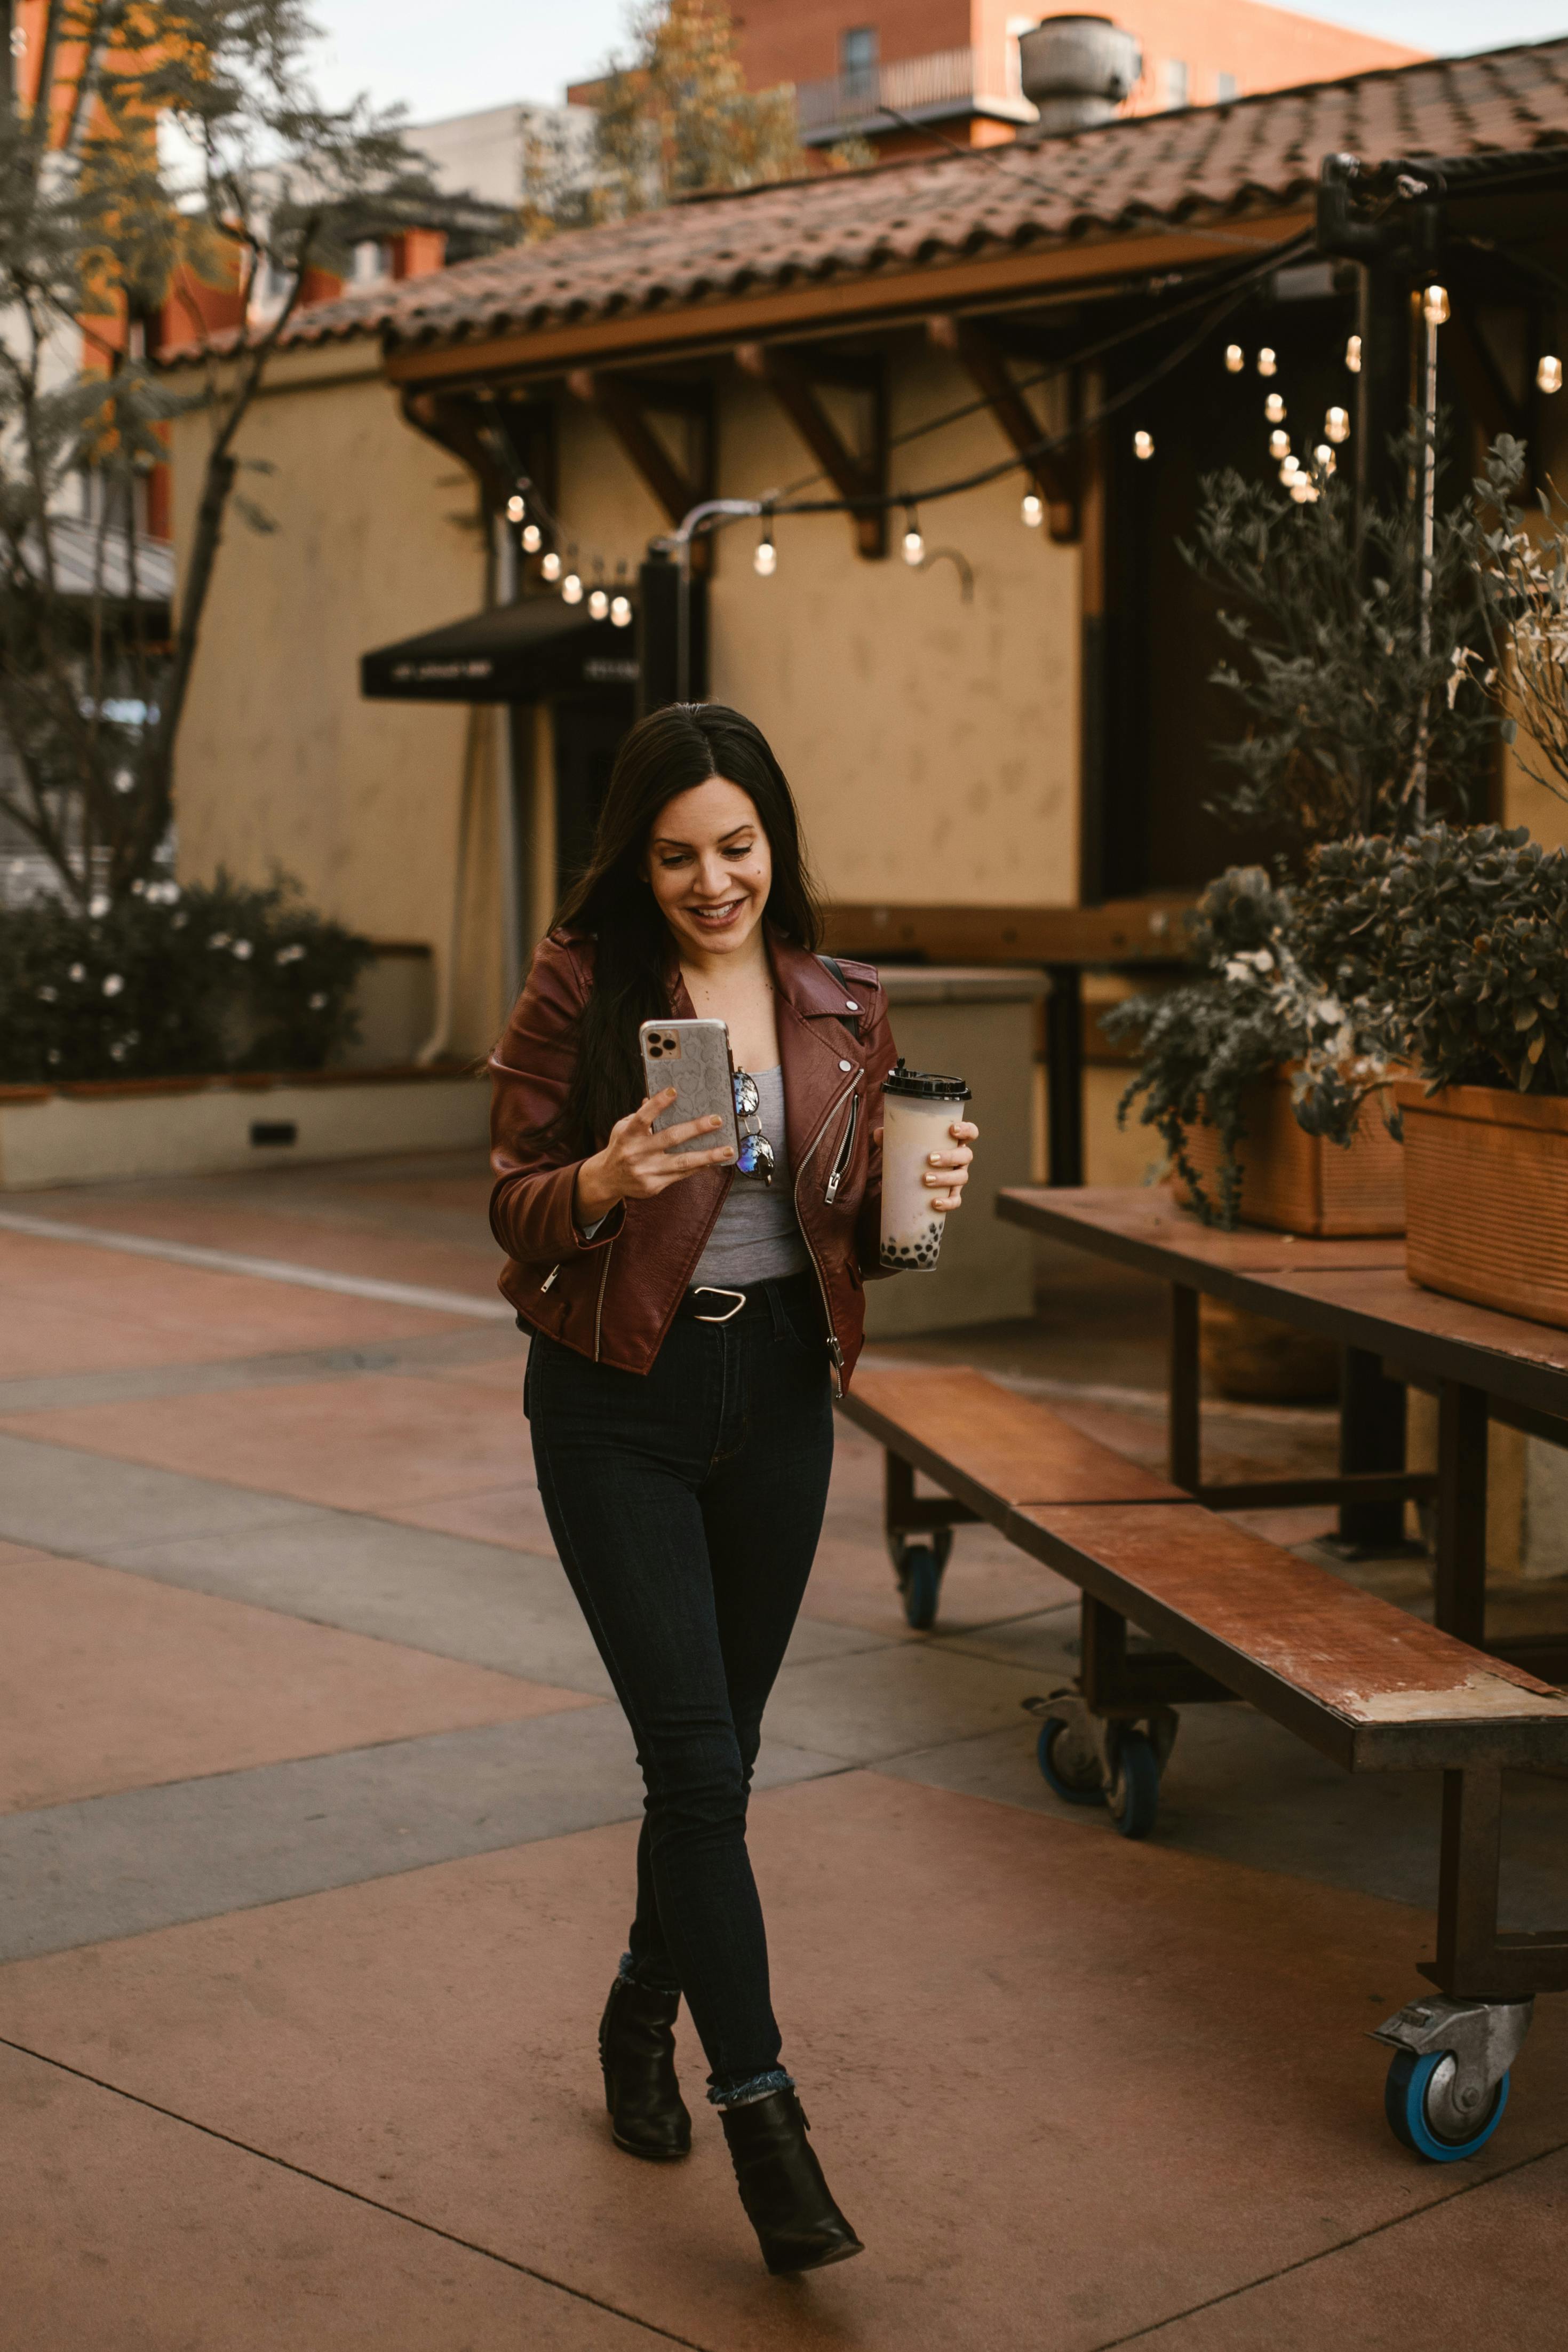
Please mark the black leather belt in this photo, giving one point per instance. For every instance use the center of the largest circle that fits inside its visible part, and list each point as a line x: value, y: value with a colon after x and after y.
x: 710, y: 1302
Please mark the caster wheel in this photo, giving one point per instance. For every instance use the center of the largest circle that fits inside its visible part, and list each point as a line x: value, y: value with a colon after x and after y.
x: 1406, y: 2104
x: 1073, y: 1776
x: 921, y: 1577
x: 1133, y: 1795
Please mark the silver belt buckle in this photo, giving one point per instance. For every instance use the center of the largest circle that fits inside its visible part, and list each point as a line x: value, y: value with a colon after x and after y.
x: 712, y: 1290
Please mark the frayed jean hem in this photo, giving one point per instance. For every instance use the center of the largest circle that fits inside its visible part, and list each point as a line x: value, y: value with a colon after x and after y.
x: 754, y: 2086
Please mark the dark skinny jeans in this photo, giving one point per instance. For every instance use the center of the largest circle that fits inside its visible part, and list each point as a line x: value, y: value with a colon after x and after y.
x: 685, y: 1505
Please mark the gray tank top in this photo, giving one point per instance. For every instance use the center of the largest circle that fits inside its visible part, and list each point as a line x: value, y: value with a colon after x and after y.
x: 757, y: 1237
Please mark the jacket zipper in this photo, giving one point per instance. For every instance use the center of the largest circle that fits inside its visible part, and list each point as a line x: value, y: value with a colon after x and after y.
x: 603, y: 1278
x: 842, y: 1164
x: 548, y: 1279
x: 835, y: 1352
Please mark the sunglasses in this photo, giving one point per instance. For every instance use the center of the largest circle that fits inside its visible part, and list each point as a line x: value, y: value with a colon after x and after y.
x: 754, y: 1157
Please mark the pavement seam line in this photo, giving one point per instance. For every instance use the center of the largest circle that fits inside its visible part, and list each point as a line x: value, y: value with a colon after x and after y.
x: 262, y: 1269
x: 1327, y: 2254
x: 358, y: 2196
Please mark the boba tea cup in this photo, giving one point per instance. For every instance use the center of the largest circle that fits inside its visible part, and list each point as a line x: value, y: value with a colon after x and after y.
x: 917, y: 1108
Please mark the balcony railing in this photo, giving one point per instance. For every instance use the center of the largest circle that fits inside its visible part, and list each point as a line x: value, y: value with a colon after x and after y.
x: 948, y: 82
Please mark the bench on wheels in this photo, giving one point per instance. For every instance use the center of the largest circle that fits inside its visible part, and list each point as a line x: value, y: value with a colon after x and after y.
x: 1238, y: 1618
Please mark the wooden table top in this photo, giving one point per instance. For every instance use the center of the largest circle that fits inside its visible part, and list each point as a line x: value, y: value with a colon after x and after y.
x: 1355, y: 1291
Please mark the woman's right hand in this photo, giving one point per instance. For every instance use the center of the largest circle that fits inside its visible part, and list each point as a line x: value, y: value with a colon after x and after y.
x: 636, y: 1164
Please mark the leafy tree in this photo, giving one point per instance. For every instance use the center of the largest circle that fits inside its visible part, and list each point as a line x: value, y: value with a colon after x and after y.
x: 147, y: 153
x: 676, y: 117
x: 1358, y: 717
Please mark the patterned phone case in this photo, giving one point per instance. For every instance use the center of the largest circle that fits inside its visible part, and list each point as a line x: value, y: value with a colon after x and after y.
x: 693, y: 1057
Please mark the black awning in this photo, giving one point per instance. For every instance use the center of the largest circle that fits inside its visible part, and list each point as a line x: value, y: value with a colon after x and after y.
x: 515, y: 653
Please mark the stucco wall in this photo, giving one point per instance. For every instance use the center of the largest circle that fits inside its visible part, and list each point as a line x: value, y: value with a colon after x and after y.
x: 281, y: 762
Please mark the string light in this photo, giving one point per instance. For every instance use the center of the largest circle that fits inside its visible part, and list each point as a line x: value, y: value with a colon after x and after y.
x: 914, y: 545
x: 515, y: 510
x: 1032, y: 510
x: 1434, y: 304
x: 1353, y: 355
x: 1548, y: 373
x: 1325, y: 458
x: 1336, y: 425
x: 599, y: 605
x: 1279, y: 444
x: 550, y: 567
x: 1235, y: 359
x: 571, y: 589
x: 1303, y: 491
x: 1274, y: 408
x: 1290, y: 472
x: 531, y: 539
x: 765, y: 563
x: 620, y: 612
x: 1143, y: 445
x: 1266, y: 363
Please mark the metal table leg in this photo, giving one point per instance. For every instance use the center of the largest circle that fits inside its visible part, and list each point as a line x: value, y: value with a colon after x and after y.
x: 1371, y: 1439
x: 1460, y: 1569
x: 1186, y: 1425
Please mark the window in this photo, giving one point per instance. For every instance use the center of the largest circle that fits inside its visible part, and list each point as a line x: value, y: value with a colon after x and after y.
x: 857, y: 56
x: 1176, y: 78
x: 1226, y: 86
x: 373, y: 262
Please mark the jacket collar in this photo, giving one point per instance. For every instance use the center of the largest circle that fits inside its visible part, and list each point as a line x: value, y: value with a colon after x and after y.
x: 817, y: 1069
x: 800, y: 979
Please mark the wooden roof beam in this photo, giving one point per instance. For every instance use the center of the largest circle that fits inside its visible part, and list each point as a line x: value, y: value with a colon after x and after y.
x: 626, y: 405
x: 792, y: 378
x: 1054, y: 474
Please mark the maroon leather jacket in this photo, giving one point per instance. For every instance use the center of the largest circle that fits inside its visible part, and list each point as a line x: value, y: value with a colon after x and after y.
x: 613, y: 1297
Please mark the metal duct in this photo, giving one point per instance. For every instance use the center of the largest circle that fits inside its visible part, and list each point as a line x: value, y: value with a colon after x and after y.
x: 1078, y: 70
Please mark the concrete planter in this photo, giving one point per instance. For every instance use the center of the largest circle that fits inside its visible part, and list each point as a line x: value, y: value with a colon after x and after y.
x: 1299, y: 1183
x: 1489, y: 1197
x: 95, y: 1132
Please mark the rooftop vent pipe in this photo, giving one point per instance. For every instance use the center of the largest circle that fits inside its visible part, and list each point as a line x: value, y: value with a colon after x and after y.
x: 1078, y: 70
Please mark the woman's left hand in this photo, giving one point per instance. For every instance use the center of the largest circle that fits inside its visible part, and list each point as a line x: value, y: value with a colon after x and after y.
x: 949, y: 1170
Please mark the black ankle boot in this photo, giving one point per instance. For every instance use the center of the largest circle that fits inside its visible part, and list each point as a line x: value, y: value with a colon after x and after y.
x: 637, y: 2051
x: 786, y: 2200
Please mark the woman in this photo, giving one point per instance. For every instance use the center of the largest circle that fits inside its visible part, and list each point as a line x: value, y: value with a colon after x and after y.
x: 690, y: 1325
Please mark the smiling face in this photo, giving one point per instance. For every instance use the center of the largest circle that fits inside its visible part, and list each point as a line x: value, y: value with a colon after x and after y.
x: 710, y: 867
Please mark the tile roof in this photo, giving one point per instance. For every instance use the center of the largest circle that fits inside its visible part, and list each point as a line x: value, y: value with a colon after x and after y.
x: 1199, y: 164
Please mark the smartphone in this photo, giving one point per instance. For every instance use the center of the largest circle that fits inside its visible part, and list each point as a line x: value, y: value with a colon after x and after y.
x: 693, y: 1057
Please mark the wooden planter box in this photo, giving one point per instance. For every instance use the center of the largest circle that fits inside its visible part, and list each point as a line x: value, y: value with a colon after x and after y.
x: 1301, y: 1183
x: 1489, y: 1197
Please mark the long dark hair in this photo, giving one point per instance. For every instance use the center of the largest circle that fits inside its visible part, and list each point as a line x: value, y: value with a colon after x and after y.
x: 667, y: 754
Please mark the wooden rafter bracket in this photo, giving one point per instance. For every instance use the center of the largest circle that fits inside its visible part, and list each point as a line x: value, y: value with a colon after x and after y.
x: 626, y: 404
x: 1054, y: 472
x: 1482, y: 385
x: 793, y: 377
x: 455, y: 420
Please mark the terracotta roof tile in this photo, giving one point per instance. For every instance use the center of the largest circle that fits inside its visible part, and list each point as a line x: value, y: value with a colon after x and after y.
x: 1202, y: 161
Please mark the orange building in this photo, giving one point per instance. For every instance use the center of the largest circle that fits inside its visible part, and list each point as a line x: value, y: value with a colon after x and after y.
x: 951, y: 67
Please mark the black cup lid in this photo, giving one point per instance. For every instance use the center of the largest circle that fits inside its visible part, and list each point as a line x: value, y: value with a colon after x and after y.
x: 926, y: 1084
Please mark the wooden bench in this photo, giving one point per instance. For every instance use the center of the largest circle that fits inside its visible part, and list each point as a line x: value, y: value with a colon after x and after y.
x: 1238, y: 1618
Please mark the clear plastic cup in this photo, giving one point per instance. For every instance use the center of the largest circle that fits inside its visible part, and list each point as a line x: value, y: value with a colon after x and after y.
x: 917, y: 1108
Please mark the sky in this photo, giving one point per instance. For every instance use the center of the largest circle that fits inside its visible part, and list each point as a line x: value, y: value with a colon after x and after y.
x: 469, y: 54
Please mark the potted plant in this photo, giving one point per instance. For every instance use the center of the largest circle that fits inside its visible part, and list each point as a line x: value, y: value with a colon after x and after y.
x: 1458, y: 937
x: 1254, y: 1075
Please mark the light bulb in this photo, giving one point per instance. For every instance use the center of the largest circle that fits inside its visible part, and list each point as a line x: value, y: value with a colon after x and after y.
x: 1266, y: 363
x: 1290, y: 472
x: 1235, y: 357
x: 530, y: 539
x: 1434, y: 304
x: 913, y: 546
x: 1548, y: 373
x: 1279, y: 444
x: 1302, y: 490
x: 1326, y: 456
x: 1353, y: 355
x: 1143, y: 445
x: 550, y: 567
x: 620, y: 612
x: 599, y: 605
x: 515, y: 510
x: 1274, y: 409
x: 571, y: 589
x: 765, y: 563
x: 1032, y: 510
x: 1336, y: 425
